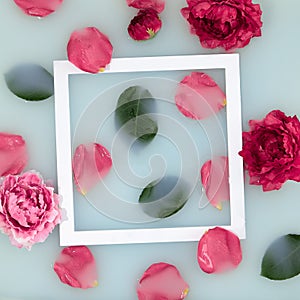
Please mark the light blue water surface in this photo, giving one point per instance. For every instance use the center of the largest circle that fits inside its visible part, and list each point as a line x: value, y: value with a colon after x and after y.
x: 269, y: 80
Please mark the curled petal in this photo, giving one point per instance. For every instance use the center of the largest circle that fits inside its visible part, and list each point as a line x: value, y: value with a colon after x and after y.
x: 13, y: 154
x: 198, y: 96
x: 91, y: 162
x: 214, y: 178
x: 38, y: 8
x: 162, y: 281
x: 89, y: 49
x: 76, y: 267
x: 157, y: 5
x: 219, y: 250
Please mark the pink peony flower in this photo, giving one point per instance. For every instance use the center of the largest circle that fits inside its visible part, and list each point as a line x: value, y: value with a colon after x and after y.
x: 89, y: 49
x: 13, y: 154
x: 271, y: 150
x: 214, y: 178
x: 91, y: 162
x: 157, y: 5
x: 223, y: 23
x: 144, y: 25
x: 29, y: 209
x: 162, y: 281
x: 76, y: 267
x: 198, y: 96
x: 219, y: 250
x: 38, y: 8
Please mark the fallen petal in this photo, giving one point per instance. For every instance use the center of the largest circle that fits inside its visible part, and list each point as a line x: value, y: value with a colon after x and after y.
x: 76, y: 267
x: 157, y: 5
x: 162, y: 281
x: 13, y: 154
x: 38, y: 8
x: 89, y: 49
x: 214, y: 178
x: 198, y: 96
x: 218, y: 251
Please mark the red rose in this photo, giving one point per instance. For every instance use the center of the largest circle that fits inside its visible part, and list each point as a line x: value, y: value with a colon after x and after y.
x: 223, y: 23
x: 145, y: 25
x: 271, y: 150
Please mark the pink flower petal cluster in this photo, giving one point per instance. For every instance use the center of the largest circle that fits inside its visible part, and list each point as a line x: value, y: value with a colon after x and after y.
x: 271, y: 150
x: 157, y: 5
x: 29, y: 209
x: 229, y: 24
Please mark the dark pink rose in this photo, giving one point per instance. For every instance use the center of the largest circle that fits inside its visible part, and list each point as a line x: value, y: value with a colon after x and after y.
x: 89, y: 49
x: 223, y: 23
x: 162, y: 281
x: 219, y: 250
x: 13, y: 154
x: 76, y: 267
x: 271, y: 150
x: 29, y: 209
x: 157, y: 5
x: 38, y: 8
x: 144, y: 25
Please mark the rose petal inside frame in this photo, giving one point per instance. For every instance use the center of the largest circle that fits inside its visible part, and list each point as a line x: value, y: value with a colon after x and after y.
x: 91, y: 163
x: 219, y: 250
x: 13, y: 154
x: 157, y: 5
x: 198, y: 96
x: 162, y: 281
x: 214, y: 178
x: 76, y: 267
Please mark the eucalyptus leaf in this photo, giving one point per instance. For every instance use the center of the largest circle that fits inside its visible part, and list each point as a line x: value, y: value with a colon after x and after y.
x: 282, y: 258
x: 163, y: 198
x: 133, y: 106
x: 30, y: 82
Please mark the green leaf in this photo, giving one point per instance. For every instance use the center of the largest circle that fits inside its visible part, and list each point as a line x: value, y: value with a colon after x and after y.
x: 282, y: 258
x: 30, y: 82
x: 163, y: 198
x: 133, y: 106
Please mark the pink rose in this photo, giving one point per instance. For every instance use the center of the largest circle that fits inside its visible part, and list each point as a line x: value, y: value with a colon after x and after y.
x: 223, y: 23
x: 144, y: 25
x: 38, y: 8
x: 157, y: 5
x: 29, y: 209
x: 271, y: 150
x: 89, y: 49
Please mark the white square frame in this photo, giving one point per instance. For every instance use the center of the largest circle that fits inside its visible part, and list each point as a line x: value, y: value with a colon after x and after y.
x: 62, y: 70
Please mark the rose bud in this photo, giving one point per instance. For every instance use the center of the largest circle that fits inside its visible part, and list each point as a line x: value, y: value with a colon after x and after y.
x: 144, y: 25
x: 89, y: 49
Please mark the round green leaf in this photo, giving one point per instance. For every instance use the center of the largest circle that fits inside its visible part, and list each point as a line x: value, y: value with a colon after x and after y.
x: 282, y: 258
x: 30, y: 82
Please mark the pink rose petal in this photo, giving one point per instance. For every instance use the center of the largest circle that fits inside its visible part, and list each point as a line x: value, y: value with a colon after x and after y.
x: 76, y: 267
x: 13, y: 154
x: 198, y: 96
x: 214, y: 178
x: 219, y: 250
x: 38, y: 8
x: 162, y: 281
x: 91, y: 162
x: 157, y: 5
x: 89, y: 49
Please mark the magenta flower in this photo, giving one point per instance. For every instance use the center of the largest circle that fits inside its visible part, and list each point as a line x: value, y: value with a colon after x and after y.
x: 198, y: 96
x: 38, y: 8
x: 162, y: 281
x: 13, y: 154
x: 144, y: 25
x: 76, y: 267
x: 29, y: 209
x: 219, y: 250
x: 229, y: 24
x: 89, y: 49
x: 271, y: 150
x: 157, y: 5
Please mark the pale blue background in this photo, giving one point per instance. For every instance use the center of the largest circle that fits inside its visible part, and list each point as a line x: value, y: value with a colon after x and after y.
x: 269, y: 79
